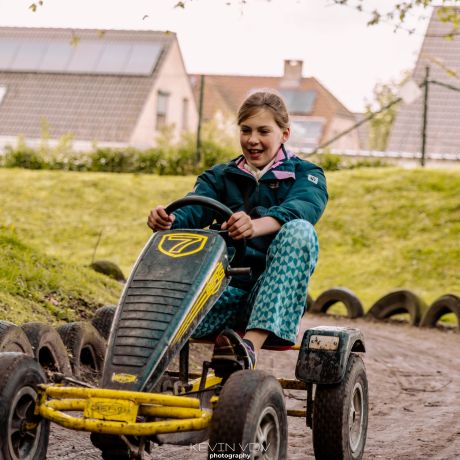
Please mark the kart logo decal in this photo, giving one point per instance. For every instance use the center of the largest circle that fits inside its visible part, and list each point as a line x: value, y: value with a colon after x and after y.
x: 181, y: 244
x: 124, y: 378
x: 210, y: 288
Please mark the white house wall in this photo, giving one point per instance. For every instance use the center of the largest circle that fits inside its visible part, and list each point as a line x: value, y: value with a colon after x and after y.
x: 172, y: 79
x: 337, y: 126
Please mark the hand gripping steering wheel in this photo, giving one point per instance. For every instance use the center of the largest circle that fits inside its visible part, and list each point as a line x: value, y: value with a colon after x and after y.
x: 221, y: 209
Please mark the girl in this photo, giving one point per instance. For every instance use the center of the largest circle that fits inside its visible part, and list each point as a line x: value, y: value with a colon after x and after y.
x: 276, y: 198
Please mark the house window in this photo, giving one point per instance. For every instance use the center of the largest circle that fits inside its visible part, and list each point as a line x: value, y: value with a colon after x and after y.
x: 185, y: 114
x: 162, y: 109
x: 306, y: 133
x: 2, y: 93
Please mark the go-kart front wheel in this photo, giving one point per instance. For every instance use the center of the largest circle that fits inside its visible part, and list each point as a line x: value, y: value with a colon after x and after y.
x: 250, y: 418
x: 340, y: 415
x: 23, y: 435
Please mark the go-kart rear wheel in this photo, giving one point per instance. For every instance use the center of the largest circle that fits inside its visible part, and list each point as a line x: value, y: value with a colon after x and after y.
x: 340, y: 414
x: 250, y: 418
x: 23, y: 435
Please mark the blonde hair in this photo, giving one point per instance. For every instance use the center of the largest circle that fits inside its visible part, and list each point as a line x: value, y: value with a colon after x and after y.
x: 264, y: 99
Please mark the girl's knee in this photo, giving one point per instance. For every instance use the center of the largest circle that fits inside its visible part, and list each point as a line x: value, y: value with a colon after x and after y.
x: 299, y: 233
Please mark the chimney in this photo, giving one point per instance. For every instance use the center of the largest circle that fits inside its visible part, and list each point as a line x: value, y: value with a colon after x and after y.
x: 292, y: 74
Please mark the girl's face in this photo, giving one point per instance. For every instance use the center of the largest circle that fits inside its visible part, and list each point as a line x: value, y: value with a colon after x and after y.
x: 261, y: 138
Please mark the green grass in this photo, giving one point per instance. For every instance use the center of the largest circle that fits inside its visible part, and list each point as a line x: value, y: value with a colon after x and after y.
x: 383, y: 229
x: 34, y: 286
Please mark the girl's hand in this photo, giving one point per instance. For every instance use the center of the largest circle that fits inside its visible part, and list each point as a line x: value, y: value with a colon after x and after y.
x: 159, y: 220
x: 239, y: 226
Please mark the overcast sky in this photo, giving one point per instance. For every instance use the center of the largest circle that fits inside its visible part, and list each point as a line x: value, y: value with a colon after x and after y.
x: 337, y: 47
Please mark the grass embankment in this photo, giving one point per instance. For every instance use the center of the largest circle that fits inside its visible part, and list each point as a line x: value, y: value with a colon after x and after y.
x: 383, y: 229
x: 34, y: 286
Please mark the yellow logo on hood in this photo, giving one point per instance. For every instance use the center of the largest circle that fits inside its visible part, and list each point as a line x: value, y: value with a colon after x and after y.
x: 181, y: 244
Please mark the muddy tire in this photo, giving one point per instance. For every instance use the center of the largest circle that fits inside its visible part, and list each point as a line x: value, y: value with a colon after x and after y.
x: 397, y: 302
x: 86, y: 349
x: 48, y: 348
x: 13, y: 338
x: 103, y: 319
x: 448, y: 303
x: 340, y: 415
x: 250, y: 412
x: 331, y: 296
x: 20, y: 374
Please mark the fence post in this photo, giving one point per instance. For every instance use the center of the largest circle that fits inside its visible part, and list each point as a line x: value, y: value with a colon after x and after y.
x: 425, y: 115
x: 200, y: 116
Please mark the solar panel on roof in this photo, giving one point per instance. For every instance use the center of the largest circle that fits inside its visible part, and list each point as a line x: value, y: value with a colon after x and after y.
x: 114, y: 58
x: 143, y: 58
x: 8, y: 50
x: 299, y: 101
x: 56, y: 57
x: 85, y: 57
x: 88, y: 56
x: 29, y: 56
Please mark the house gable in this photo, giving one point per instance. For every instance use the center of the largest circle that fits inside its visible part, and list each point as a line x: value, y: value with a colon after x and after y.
x: 97, y: 97
x: 443, y: 58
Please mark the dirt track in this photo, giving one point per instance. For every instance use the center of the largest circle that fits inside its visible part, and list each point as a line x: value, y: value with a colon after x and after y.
x: 414, y: 393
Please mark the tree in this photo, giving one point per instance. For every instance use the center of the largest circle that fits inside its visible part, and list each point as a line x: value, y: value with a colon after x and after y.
x: 380, y: 124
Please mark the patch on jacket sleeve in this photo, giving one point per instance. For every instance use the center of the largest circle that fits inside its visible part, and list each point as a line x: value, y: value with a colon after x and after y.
x: 312, y: 178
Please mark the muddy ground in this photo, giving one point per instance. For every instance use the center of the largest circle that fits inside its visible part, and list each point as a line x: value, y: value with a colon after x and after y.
x: 414, y: 396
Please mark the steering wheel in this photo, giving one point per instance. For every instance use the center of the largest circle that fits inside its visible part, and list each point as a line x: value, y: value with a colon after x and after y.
x: 224, y: 211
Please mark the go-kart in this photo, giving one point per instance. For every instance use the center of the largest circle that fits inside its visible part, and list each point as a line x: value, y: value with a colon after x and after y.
x: 176, y: 280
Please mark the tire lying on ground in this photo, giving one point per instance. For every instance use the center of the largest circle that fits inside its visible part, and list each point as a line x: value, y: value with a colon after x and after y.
x: 250, y: 414
x: 13, y: 338
x: 103, y: 318
x: 109, y: 269
x: 339, y: 294
x: 397, y: 302
x: 448, y: 303
x: 48, y: 348
x: 86, y: 349
x: 23, y: 435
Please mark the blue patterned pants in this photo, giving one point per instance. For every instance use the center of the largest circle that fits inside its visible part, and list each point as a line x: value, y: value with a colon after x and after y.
x: 277, y: 301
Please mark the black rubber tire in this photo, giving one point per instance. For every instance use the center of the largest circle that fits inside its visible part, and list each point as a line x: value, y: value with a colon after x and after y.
x: 103, y: 318
x: 448, y: 303
x: 13, y: 338
x: 18, y: 379
x: 251, y: 402
x: 86, y: 349
x: 110, y: 269
x: 48, y: 347
x: 338, y: 294
x: 397, y: 302
x: 331, y: 415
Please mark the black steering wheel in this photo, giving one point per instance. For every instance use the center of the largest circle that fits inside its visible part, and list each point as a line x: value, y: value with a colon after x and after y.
x: 224, y: 211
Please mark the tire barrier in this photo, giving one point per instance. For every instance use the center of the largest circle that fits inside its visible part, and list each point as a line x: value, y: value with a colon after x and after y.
x: 339, y: 294
x: 398, y: 302
x: 13, y: 338
x: 109, y: 269
x: 103, y: 318
x: 86, y: 349
x: 48, y: 348
x: 448, y: 303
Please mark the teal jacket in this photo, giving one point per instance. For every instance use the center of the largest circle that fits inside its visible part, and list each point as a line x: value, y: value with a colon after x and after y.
x: 291, y: 189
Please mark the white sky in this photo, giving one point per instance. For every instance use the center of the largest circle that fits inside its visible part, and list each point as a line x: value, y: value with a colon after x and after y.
x: 337, y: 47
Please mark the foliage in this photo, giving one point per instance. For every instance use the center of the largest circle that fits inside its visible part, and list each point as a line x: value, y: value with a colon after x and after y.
x: 381, y: 123
x: 34, y: 286
x: 166, y: 158
x: 333, y: 162
x: 383, y: 229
